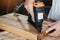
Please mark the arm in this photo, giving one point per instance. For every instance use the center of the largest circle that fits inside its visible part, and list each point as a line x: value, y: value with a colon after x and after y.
x: 29, y: 6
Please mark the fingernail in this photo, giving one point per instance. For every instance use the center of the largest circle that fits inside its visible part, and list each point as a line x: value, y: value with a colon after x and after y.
x: 50, y: 31
x: 46, y: 31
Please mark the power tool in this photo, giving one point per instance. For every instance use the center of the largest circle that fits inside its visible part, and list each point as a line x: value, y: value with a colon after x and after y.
x: 38, y: 7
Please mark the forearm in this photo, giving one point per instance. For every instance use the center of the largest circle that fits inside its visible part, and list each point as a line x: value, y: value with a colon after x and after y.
x: 29, y: 1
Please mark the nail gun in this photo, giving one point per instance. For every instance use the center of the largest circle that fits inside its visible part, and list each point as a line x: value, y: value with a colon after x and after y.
x: 38, y: 7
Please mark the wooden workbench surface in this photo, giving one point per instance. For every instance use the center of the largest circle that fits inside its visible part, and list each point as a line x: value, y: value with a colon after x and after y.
x: 12, y: 21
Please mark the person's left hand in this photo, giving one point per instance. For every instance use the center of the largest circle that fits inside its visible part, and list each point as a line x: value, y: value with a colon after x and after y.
x: 56, y: 26
x: 29, y: 6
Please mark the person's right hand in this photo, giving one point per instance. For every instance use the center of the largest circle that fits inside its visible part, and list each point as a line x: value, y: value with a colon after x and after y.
x: 29, y: 6
x: 55, y: 26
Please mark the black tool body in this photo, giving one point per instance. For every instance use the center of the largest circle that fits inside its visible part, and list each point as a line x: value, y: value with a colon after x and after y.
x: 38, y: 7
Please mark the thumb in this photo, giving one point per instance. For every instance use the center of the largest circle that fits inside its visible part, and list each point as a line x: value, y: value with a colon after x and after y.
x: 31, y: 11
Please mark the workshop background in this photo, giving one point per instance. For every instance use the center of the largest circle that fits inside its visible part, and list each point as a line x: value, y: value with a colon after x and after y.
x: 7, y: 6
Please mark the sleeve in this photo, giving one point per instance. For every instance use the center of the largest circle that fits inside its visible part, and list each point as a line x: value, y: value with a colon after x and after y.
x: 54, y: 11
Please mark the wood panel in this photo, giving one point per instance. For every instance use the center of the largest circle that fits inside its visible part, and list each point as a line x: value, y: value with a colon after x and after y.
x: 19, y: 32
x: 8, y: 4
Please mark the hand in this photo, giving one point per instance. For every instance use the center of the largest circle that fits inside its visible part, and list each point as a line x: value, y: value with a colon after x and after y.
x: 29, y: 6
x: 56, y: 26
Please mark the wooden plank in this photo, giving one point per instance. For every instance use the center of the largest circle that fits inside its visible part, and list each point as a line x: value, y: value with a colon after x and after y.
x: 19, y: 21
x: 19, y: 32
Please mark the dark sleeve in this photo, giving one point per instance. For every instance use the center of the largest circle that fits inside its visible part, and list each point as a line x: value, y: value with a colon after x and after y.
x: 48, y: 2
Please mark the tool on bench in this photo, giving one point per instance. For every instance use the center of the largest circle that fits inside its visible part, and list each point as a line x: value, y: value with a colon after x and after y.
x: 38, y: 7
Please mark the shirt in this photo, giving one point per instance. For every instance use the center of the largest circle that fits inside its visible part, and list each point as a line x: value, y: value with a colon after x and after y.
x: 55, y: 10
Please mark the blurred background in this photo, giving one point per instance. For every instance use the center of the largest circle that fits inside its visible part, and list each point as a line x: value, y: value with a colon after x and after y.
x: 7, y: 6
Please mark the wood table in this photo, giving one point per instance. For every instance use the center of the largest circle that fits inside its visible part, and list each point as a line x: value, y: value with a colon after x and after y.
x: 15, y: 31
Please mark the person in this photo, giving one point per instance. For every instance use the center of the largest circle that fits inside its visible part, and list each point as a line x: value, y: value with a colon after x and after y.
x: 53, y: 14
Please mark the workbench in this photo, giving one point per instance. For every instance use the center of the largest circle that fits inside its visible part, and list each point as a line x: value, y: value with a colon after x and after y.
x: 12, y: 22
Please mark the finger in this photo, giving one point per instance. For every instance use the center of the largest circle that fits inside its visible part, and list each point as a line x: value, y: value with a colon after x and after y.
x: 55, y: 34
x: 49, y: 25
x: 49, y: 29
